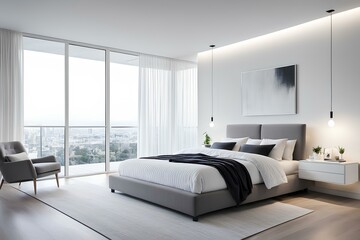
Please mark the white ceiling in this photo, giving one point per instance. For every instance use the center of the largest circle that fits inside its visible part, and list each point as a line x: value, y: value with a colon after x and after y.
x: 171, y: 28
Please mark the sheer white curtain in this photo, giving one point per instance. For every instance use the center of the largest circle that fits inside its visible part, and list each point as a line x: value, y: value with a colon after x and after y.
x: 168, y: 105
x: 11, y: 86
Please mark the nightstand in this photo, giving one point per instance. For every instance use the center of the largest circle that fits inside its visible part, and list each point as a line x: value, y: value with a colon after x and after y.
x: 330, y: 172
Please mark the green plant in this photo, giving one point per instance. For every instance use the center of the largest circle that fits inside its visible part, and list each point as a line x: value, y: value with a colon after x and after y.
x: 341, y: 150
x: 317, y: 149
x: 207, y: 138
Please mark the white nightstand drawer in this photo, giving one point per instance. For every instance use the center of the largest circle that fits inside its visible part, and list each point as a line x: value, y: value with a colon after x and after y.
x: 331, y: 172
x: 324, y: 177
x: 323, y: 167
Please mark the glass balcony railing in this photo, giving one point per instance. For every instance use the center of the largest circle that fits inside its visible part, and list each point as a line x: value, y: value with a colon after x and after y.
x: 87, y: 152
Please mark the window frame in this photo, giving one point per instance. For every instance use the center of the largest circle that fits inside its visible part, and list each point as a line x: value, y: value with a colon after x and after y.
x: 108, y: 51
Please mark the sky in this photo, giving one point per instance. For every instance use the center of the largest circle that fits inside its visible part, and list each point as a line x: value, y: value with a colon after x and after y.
x: 44, y: 90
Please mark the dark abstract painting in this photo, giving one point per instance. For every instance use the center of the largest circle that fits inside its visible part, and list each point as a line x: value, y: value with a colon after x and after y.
x: 269, y: 91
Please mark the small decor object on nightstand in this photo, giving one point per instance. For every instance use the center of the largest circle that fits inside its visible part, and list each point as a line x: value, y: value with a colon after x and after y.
x: 341, y: 152
x: 317, y: 153
x: 207, y: 140
x: 328, y: 153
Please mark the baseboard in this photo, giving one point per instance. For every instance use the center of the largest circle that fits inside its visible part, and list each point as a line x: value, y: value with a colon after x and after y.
x: 352, y: 195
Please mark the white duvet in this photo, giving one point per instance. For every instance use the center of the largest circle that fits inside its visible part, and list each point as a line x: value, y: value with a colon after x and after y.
x: 198, y: 178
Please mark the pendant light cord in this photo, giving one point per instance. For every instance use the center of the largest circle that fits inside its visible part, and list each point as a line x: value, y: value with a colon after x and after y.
x: 331, y: 59
x: 212, y: 81
x: 331, y: 64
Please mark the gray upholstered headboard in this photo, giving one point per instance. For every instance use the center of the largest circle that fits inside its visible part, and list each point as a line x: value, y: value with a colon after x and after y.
x: 273, y: 131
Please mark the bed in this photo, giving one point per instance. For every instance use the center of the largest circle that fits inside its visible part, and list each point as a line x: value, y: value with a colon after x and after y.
x: 194, y: 204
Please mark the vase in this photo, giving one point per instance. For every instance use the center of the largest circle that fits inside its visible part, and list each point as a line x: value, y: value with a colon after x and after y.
x: 318, y: 156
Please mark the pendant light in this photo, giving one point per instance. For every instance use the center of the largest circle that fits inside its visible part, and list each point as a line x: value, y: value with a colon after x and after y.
x: 331, y: 121
x: 212, y: 124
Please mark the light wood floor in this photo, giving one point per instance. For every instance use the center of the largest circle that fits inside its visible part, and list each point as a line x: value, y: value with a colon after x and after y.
x: 333, y: 218
x: 22, y: 217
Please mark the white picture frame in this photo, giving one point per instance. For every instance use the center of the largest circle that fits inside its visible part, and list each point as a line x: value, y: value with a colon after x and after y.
x: 328, y: 153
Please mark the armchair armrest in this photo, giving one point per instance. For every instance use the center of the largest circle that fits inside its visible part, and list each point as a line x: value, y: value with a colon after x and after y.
x: 18, y: 171
x: 44, y: 159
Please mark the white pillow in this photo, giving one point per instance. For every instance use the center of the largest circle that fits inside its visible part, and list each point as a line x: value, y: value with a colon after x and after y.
x: 17, y: 157
x: 253, y: 141
x: 278, y: 151
x: 239, y: 142
x: 289, y: 150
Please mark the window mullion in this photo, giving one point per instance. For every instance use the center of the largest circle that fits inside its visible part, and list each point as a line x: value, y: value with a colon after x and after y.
x: 66, y: 133
x: 107, y: 111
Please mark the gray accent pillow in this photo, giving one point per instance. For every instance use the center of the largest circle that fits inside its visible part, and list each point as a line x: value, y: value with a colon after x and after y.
x: 223, y: 145
x: 17, y: 157
x: 257, y: 149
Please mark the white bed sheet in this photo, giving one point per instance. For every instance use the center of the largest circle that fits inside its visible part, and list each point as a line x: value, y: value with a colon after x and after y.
x: 289, y: 166
x: 198, y: 178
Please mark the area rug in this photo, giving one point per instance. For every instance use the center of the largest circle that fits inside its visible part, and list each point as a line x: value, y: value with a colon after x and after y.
x: 117, y: 216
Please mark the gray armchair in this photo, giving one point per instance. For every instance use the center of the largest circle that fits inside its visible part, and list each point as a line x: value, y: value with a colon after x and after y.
x: 25, y: 170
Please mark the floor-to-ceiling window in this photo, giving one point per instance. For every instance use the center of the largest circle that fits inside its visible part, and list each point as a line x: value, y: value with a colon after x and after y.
x: 124, y: 75
x: 44, y: 98
x: 68, y: 108
x: 86, y: 108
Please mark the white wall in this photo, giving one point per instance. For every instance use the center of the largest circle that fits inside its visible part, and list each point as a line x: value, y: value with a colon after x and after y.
x: 307, y: 46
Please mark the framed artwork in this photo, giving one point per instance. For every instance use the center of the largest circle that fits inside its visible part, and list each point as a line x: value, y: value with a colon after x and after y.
x: 269, y: 91
x: 328, y: 152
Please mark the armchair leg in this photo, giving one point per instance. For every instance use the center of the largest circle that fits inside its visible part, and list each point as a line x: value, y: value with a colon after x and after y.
x: 35, y: 186
x: 57, y: 179
x: 19, y: 184
x: 2, y: 182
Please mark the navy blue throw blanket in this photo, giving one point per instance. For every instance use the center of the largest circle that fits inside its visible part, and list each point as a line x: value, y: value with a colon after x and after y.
x: 235, y: 174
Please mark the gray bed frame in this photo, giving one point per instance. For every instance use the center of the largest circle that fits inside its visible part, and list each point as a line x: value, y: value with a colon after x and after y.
x: 198, y: 204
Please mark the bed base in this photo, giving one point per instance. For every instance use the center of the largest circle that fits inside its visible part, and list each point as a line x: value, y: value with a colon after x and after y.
x: 197, y: 204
